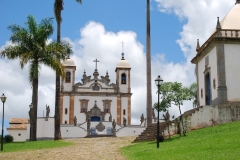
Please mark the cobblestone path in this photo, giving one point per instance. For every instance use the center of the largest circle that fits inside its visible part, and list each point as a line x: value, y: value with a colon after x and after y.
x: 84, y: 149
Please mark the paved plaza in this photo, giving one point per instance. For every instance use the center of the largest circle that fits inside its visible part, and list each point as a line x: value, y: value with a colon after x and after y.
x: 84, y: 149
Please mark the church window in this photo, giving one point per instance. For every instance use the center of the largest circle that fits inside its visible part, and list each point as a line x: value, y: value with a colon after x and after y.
x: 201, y: 93
x: 123, y: 78
x: 66, y: 110
x: 65, y: 122
x: 68, y: 77
x: 83, y: 105
x: 95, y: 87
x: 107, y: 106
x: 124, y: 112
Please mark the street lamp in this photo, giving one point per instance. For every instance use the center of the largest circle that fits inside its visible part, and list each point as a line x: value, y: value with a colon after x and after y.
x: 3, y: 98
x: 158, y: 82
x: 30, y: 115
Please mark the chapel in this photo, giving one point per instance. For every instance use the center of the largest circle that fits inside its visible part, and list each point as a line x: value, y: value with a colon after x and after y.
x: 217, y: 62
x: 95, y: 98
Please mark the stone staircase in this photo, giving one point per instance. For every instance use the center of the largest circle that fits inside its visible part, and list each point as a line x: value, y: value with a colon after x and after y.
x: 149, y: 134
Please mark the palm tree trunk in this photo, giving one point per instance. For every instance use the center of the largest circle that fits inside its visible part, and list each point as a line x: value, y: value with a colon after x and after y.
x: 148, y: 68
x: 57, y: 131
x: 34, y: 110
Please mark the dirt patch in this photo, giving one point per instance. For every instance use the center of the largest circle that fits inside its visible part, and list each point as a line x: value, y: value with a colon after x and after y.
x: 84, y: 149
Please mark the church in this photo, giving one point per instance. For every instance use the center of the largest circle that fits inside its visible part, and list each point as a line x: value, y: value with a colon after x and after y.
x: 217, y: 62
x: 94, y: 97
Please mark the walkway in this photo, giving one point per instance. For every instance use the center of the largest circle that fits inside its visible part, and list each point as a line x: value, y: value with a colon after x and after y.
x: 85, y: 149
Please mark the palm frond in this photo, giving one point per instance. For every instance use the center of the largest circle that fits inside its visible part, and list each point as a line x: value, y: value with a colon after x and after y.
x: 79, y: 1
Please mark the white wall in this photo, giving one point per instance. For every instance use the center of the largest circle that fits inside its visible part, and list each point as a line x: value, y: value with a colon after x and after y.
x: 66, y: 104
x: 70, y: 131
x: 232, y: 66
x: 68, y: 86
x: 124, y: 104
x: 45, y: 129
x: 130, y: 131
x: 213, y: 74
x: 18, y: 135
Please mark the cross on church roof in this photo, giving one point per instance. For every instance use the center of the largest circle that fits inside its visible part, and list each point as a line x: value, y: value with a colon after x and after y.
x: 96, y: 63
x: 122, y: 46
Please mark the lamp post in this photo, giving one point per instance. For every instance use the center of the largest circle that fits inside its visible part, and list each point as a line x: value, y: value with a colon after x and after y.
x: 158, y: 82
x: 3, y: 98
x: 30, y: 115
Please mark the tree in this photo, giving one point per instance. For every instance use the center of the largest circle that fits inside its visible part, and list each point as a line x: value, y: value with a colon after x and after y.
x: 178, y: 95
x: 31, y: 47
x: 58, y: 7
x: 193, y: 92
x: 174, y: 93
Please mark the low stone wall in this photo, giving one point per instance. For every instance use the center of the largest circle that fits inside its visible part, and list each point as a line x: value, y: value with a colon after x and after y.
x: 207, y: 116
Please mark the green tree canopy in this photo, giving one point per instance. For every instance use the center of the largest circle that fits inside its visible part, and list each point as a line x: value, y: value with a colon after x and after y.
x: 173, y: 93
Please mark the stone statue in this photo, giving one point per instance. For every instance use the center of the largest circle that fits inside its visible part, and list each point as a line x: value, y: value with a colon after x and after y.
x: 168, y: 116
x: 88, y: 126
x: 153, y: 113
x: 75, y: 120
x: 124, y: 121
x: 142, y: 118
x: 110, y: 118
x: 47, y: 111
x: 114, y: 127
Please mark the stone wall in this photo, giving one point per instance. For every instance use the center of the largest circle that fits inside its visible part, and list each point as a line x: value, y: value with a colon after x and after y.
x: 207, y: 116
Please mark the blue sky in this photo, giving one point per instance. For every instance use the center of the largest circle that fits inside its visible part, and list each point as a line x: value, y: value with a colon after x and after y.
x: 96, y: 29
x: 115, y: 15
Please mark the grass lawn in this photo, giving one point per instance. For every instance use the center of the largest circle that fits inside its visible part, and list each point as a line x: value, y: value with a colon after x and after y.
x: 214, y: 143
x: 34, y: 145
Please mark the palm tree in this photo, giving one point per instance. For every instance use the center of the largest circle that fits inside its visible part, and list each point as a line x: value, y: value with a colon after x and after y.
x: 31, y: 47
x: 58, y: 7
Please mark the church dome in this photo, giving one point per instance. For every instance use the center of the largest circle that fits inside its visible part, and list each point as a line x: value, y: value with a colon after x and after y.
x: 232, y: 19
x: 123, y: 63
x: 68, y: 62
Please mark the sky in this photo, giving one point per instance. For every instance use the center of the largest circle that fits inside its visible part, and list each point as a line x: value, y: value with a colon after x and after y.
x: 96, y: 29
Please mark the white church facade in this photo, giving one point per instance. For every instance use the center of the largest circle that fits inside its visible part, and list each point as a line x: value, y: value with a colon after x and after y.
x: 95, y: 98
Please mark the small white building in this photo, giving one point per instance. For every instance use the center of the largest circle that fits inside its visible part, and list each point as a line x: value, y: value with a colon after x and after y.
x: 18, y: 129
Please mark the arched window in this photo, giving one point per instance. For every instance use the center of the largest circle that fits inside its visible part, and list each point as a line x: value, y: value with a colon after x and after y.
x: 124, y: 78
x: 68, y: 77
x: 124, y: 112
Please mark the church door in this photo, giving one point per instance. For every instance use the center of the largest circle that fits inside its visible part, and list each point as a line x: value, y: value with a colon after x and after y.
x: 208, y: 89
x: 95, y: 119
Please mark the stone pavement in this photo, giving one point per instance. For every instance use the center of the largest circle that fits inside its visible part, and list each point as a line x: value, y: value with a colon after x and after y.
x: 105, y: 148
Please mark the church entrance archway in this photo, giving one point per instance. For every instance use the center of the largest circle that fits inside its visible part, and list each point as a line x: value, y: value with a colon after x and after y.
x: 95, y: 119
x: 208, y: 89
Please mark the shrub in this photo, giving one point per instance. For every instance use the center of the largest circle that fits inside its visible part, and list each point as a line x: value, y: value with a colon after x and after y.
x: 8, y: 138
